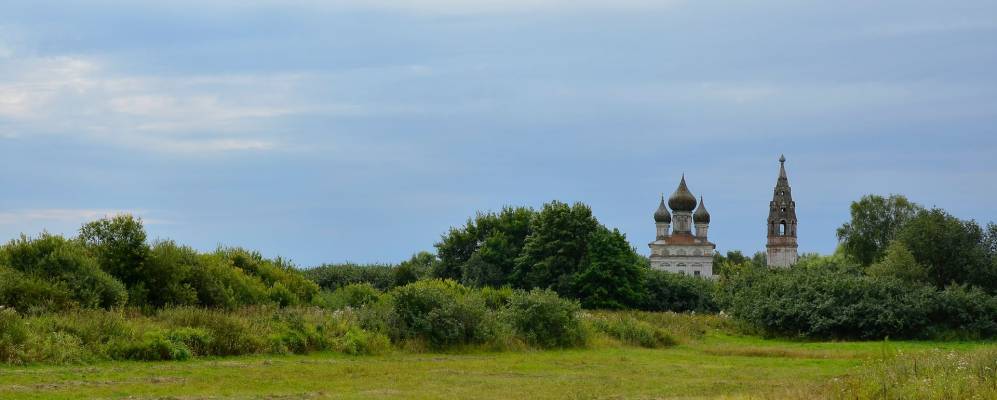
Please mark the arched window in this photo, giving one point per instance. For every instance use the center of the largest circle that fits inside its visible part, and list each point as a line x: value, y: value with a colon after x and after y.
x: 782, y: 228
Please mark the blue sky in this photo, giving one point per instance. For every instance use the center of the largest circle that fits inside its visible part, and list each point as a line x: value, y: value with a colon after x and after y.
x: 326, y: 131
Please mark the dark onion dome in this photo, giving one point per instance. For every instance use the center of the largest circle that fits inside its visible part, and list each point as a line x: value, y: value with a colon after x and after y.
x: 662, y: 214
x: 682, y: 199
x: 701, y: 216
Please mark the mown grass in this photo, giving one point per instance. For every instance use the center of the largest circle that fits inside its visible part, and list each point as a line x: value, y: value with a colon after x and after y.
x: 706, y: 367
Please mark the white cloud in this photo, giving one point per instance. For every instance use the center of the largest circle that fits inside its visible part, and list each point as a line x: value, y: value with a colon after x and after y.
x: 59, y: 215
x: 187, y: 114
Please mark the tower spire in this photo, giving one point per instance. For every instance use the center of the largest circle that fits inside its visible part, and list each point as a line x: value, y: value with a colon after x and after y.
x: 781, y: 249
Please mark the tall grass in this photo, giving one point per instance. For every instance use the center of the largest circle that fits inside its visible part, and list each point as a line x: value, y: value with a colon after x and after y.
x: 935, y: 374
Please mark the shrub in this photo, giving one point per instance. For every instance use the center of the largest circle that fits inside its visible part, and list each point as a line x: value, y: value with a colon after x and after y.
x: 354, y: 295
x: 32, y: 294
x: 667, y: 291
x: 291, y: 286
x: 496, y: 298
x: 443, y: 313
x: 826, y: 303
x: 66, y: 266
x: 334, y: 276
x: 545, y: 320
x: 964, y: 312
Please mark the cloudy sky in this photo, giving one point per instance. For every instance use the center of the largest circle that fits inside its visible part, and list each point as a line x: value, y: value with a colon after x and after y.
x: 326, y: 131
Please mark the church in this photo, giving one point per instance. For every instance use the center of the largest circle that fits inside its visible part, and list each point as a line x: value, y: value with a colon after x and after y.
x: 678, y: 249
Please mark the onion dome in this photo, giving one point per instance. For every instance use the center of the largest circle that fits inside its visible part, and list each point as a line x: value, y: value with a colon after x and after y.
x: 682, y: 199
x: 701, y: 216
x: 662, y: 215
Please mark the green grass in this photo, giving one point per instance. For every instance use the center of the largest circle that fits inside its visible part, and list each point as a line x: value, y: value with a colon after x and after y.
x: 708, y: 368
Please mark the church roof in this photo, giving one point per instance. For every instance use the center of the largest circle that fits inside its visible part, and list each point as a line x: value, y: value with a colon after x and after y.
x: 701, y: 216
x: 682, y: 199
x: 662, y: 214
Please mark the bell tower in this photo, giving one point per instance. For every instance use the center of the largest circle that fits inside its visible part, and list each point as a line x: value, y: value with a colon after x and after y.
x: 781, y: 248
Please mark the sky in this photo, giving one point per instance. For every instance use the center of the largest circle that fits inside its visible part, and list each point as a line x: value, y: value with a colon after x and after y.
x: 362, y: 130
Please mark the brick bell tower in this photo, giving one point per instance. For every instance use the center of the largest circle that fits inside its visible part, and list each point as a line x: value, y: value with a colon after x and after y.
x: 781, y: 248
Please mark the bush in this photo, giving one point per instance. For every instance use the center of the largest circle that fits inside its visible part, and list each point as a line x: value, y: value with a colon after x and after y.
x: 827, y: 303
x: 334, y: 276
x: 667, y: 291
x: 354, y: 295
x: 443, y: 313
x: 964, y: 312
x: 545, y: 320
x: 66, y: 266
x: 32, y: 294
x: 288, y: 285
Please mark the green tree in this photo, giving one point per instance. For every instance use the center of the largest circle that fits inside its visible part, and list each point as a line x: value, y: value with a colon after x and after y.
x: 496, y: 239
x: 610, y: 276
x: 553, y: 252
x: 418, y: 267
x: 119, y: 245
x: 952, y: 250
x: 875, y: 222
x: 899, y: 262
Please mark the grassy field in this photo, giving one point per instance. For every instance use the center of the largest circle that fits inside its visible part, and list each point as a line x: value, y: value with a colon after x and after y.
x: 718, y: 366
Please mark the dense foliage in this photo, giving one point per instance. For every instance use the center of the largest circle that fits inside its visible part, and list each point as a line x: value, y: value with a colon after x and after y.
x: 560, y: 247
x: 380, y: 276
x: 832, y: 301
x: 110, y: 265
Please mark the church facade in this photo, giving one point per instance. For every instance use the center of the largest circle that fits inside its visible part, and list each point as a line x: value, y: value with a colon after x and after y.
x: 781, y: 247
x: 676, y: 247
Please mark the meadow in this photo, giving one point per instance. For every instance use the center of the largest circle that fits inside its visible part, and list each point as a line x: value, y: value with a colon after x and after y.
x: 708, y: 359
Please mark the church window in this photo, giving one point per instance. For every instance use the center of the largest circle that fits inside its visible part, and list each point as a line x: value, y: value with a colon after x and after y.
x: 784, y: 209
x: 782, y: 228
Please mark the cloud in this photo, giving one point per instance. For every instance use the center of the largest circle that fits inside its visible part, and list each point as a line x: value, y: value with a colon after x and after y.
x: 187, y: 114
x: 63, y: 215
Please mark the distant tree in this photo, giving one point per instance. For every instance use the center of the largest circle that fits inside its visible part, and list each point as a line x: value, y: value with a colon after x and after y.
x: 119, y: 245
x: 952, y: 250
x: 722, y: 264
x: 610, y: 275
x: 493, y: 239
x: 759, y: 259
x: 875, y: 221
x: 553, y: 252
x: 899, y: 262
x: 418, y: 267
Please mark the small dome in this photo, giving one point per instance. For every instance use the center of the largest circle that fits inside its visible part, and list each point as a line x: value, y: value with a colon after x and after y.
x: 701, y: 216
x: 682, y: 199
x: 662, y: 214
